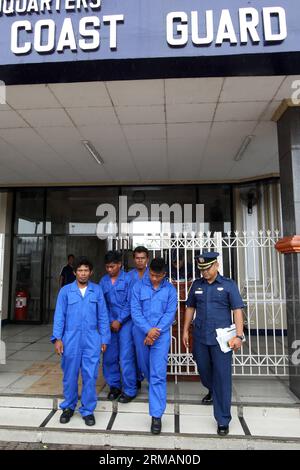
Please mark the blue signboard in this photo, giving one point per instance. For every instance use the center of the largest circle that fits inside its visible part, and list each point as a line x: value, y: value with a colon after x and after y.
x: 43, y: 31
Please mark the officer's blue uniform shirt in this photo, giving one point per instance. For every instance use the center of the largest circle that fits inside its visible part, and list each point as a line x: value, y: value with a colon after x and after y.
x: 75, y: 312
x: 117, y: 296
x: 153, y: 307
x: 68, y: 275
x: 213, y: 304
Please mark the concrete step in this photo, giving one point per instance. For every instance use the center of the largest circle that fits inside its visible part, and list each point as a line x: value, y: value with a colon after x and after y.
x: 185, y: 425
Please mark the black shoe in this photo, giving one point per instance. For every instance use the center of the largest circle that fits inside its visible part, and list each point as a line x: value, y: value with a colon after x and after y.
x: 66, y: 416
x: 114, y: 393
x: 223, y: 430
x: 89, y: 420
x: 207, y: 400
x: 156, y: 425
x: 139, y: 384
x: 123, y: 398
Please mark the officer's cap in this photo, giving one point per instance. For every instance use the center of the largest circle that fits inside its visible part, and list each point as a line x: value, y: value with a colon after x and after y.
x: 205, y: 260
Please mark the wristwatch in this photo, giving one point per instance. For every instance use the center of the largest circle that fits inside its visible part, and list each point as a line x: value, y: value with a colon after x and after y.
x: 240, y: 337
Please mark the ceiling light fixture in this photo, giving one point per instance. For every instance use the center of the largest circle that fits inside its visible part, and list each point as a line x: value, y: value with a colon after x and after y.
x: 93, y: 152
x: 243, y: 148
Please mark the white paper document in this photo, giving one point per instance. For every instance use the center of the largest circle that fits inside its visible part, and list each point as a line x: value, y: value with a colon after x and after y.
x: 224, y: 335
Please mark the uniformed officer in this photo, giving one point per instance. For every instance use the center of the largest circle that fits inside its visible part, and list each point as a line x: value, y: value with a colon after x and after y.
x: 67, y: 275
x: 153, y: 308
x: 119, y: 361
x: 80, y: 331
x: 214, y: 297
x: 141, y: 261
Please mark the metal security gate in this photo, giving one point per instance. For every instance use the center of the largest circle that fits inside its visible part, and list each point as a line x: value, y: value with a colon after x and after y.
x: 253, y: 262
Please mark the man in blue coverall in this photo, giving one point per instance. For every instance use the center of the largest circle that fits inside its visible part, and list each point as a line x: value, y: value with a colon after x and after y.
x: 141, y: 261
x: 153, y: 308
x: 80, y: 332
x: 119, y: 362
x: 214, y: 297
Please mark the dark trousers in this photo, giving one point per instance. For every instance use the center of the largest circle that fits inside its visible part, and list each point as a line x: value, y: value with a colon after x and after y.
x: 214, y: 368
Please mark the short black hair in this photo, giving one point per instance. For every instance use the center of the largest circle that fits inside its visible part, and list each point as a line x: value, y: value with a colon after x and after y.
x: 141, y: 249
x: 158, y: 265
x: 83, y: 261
x: 113, y: 257
x: 69, y: 256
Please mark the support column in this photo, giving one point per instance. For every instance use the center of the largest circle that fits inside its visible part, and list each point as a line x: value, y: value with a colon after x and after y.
x: 288, y: 126
x: 5, y: 244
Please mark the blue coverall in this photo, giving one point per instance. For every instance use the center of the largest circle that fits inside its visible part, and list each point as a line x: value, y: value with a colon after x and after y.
x: 154, y: 308
x: 213, y: 303
x: 119, y: 362
x: 134, y: 277
x: 83, y: 326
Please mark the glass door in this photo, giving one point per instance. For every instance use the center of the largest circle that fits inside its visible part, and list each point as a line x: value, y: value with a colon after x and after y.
x: 27, y: 279
x: 57, y: 249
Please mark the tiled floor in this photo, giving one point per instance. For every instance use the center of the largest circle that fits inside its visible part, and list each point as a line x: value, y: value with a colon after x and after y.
x: 272, y: 422
x: 191, y: 420
x: 262, y: 406
x: 32, y: 366
x: 22, y: 417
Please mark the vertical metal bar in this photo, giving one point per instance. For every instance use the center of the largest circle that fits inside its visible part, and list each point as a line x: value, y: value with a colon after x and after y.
x: 231, y: 275
x: 272, y: 296
x: 281, y: 289
x: 264, y: 287
x: 272, y: 253
x: 235, y: 245
x: 245, y: 245
x: 262, y: 207
x: 256, y: 302
x: 178, y: 348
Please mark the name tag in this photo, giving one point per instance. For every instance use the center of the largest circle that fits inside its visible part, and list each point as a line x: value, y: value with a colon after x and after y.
x: 199, y: 292
x: 220, y: 288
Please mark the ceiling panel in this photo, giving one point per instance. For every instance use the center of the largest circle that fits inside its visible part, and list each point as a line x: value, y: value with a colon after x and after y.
x: 31, y: 97
x: 106, y: 133
x: 224, y: 142
x: 66, y: 142
x: 185, y: 158
x: 250, y: 88
x: 191, y: 112
x: 145, y: 130
x: 46, y: 117
x: 92, y: 116
x: 140, y: 114
x: 11, y: 119
x: 77, y: 95
x: 193, y: 90
x: 150, y: 158
x: 189, y: 131
x: 242, y: 111
x: 139, y: 92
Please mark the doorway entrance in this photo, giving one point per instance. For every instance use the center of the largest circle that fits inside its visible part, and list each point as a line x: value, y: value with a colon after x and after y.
x: 37, y: 268
x: 57, y: 250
